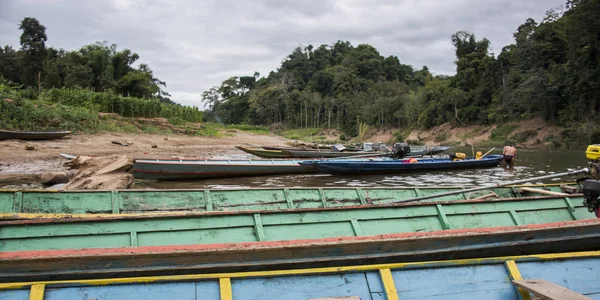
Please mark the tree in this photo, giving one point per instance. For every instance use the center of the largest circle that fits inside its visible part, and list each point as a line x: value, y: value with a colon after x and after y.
x: 33, y: 43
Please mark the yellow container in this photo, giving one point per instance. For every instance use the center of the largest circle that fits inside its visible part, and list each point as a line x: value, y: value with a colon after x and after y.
x: 593, y: 152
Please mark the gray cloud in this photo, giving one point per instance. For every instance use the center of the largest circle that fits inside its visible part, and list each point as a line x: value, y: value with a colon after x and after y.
x: 193, y: 45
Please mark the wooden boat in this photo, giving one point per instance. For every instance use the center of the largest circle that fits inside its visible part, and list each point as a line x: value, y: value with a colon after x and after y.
x: 247, y: 240
x: 173, y: 169
x: 29, y: 135
x: 329, y: 154
x: 486, y: 278
x: 22, y: 204
x: 399, y: 166
x: 264, y: 153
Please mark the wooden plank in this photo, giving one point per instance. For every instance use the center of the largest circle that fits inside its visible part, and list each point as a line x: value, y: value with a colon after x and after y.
x: 544, y: 192
x: 323, y: 197
x: 388, y: 284
x: 37, y: 292
x: 442, y: 216
x: 356, y: 227
x: 286, y: 194
x: 116, y: 205
x: 258, y: 227
x: 225, y: 289
x: 548, y: 291
x: 515, y: 218
x: 134, y: 239
x: 18, y: 207
x: 361, y: 196
x: 515, y: 274
x: 209, y: 206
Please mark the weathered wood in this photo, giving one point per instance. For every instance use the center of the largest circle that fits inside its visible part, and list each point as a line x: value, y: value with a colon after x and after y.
x: 548, y: 291
x: 544, y: 192
x: 492, y: 194
x: 338, y: 298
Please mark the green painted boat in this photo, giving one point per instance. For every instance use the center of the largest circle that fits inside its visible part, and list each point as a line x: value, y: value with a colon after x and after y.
x: 173, y: 169
x: 250, y: 240
x: 264, y: 153
x: 266, y: 199
x: 257, y: 225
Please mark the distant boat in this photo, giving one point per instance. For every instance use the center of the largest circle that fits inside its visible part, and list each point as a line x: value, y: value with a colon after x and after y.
x: 173, y: 169
x: 398, y: 166
x: 264, y: 153
x: 30, y: 135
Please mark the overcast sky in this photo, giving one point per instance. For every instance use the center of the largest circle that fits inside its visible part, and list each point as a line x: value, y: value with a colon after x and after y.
x: 195, y: 44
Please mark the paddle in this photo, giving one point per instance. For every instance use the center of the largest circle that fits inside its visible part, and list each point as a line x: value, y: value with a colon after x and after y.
x: 582, y: 171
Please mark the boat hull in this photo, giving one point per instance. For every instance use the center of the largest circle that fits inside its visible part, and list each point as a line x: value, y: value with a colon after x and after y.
x: 330, y: 252
x: 205, y: 169
x: 487, y: 278
x: 97, y: 203
x: 26, y: 135
x: 265, y: 153
x: 387, y: 167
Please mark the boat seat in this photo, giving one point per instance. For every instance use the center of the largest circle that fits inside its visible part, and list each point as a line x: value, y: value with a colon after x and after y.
x: 546, y: 290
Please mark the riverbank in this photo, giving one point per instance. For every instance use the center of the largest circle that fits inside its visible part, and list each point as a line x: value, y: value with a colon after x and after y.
x: 20, y: 167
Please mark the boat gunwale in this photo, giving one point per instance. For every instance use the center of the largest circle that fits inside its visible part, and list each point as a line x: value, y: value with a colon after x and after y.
x: 8, y: 219
x: 325, y: 188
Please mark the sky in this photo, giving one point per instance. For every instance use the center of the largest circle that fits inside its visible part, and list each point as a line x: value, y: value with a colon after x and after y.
x: 195, y: 44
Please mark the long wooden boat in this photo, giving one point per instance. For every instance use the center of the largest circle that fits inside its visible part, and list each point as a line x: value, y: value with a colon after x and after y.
x: 328, y: 154
x: 250, y: 240
x: 397, y: 166
x: 14, y: 203
x: 415, y: 151
x: 264, y: 153
x: 29, y: 135
x: 457, y: 279
x: 173, y: 169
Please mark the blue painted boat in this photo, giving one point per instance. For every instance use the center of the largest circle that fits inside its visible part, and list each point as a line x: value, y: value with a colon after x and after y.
x: 397, y: 166
x: 487, y: 278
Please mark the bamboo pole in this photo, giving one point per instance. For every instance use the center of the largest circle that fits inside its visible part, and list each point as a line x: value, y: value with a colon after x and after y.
x: 577, y: 172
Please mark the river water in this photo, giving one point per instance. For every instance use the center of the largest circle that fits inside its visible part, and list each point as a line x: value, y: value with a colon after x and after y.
x: 530, y: 163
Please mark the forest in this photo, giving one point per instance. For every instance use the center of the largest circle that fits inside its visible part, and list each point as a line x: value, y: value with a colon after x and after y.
x: 552, y: 71
x: 45, y: 88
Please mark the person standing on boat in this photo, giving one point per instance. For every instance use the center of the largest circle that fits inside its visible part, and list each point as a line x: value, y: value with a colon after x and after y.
x: 509, y: 153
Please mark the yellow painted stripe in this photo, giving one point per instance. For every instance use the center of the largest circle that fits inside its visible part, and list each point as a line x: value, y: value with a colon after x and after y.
x: 515, y: 274
x: 225, y: 288
x: 414, y: 265
x: 388, y: 284
x: 37, y: 292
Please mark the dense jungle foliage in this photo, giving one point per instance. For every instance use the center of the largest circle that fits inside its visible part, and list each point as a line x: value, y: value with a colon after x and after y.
x: 39, y: 83
x: 552, y: 70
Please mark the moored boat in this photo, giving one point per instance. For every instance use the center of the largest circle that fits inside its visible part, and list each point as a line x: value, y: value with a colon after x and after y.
x: 398, y: 166
x: 273, y: 239
x: 173, y: 169
x: 484, y: 278
x: 32, y: 135
x: 264, y: 153
x: 22, y: 204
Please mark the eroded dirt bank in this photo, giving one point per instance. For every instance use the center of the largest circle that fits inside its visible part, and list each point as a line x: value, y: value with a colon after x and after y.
x: 21, y: 168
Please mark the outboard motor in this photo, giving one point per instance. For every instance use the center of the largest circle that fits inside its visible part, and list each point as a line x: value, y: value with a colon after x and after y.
x: 591, y: 195
x: 591, y: 187
x: 400, y: 150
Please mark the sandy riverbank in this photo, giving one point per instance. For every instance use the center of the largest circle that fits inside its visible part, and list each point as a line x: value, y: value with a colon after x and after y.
x: 19, y: 166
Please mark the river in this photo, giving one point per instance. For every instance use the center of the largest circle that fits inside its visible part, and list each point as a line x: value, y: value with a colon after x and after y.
x: 530, y: 163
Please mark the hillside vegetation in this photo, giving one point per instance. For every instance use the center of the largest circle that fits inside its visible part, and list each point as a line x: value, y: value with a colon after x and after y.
x: 551, y: 71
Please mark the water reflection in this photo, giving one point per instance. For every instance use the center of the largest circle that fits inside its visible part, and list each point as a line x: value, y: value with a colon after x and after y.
x: 530, y: 163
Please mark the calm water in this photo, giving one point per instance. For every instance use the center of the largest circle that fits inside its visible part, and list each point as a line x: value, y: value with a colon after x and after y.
x: 530, y: 163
